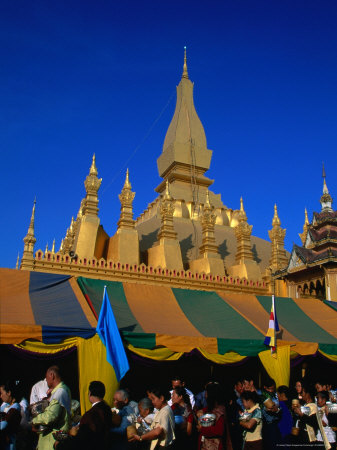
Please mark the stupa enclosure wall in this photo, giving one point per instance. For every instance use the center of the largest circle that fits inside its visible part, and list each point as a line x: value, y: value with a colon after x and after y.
x: 113, y: 271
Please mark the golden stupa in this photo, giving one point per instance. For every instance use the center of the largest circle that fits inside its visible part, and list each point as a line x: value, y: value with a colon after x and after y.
x: 185, y: 237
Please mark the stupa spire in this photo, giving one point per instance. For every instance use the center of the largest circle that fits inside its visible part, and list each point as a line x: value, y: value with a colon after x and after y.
x: 276, y: 219
x: 166, y: 211
x: 303, y: 235
x: 278, y: 257
x: 326, y: 199
x: 92, y: 184
x: 29, y: 241
x: 126, y: 198
x: 185, y: 157
x: 245, y: 265
x: 53, y: 247
x: 185, y: 73
x: 93, y: 168
x: 242, y: 214
x: 17, y: 261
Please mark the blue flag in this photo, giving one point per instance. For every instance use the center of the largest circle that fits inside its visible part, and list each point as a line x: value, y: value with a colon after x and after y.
x: 108, y: 332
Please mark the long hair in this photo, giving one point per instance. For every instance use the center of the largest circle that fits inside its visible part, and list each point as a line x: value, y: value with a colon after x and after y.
x: 214, y: 395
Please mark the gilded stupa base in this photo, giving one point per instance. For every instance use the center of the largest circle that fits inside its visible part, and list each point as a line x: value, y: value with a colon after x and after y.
x: 246, y: 269
x: 124, y: 247
x: 210, y: 265
x: 166, y: 254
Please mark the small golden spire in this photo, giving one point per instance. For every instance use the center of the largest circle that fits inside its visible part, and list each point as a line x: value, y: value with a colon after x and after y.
x: 325, y: 187
x: 185, y: 73
x: 53, y: 247
x: 276, y: 219
x: 46, y: 248
x: 306, y: 219
x: 17, y: 261
x: 127, y: 184
x: 326, y: 199
x: 241, y: 205
x: 32, y: 221
x: 61, y: 246
x: 93, y: 168
x: 72, y: 224
x: 242, y: 214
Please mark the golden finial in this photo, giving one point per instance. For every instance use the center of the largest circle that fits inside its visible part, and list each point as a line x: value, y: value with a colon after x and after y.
x: 93, y: 168
x: 276, y: 219
x: 242, y: 214
x: 17, y: 261
x: 241, y: 205
x: 61, y: 246
x: 127, y: 184
x: 32, y: 220
x: 53, y: 247
x: 325, y: 187
x: 46, y: 248
x: 306, y: 219
x: 185, y: 73
x: 72, y: 223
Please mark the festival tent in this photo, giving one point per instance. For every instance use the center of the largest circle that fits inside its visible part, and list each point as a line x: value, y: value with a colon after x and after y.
x: 160, y: 322
x: 50, y: 313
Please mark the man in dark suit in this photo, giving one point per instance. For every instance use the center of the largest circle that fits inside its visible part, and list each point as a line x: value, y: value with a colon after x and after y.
x: 92, y: 433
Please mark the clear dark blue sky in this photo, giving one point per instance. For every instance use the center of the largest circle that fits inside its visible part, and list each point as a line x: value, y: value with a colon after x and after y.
x: 78, y: 77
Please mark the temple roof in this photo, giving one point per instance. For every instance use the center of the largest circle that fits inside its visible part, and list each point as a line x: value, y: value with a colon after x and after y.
x: 309, y: 256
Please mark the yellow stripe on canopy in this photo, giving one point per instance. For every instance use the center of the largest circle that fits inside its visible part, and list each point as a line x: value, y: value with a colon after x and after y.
x: 227, y: 358
x: 14, y: 334
x: 40, y: 347
x: 187, y: 343
x: 251, y: 309
x: 158, y: 354
x: 320, y: 313
x: 14, y: 291
x: 157, y: 310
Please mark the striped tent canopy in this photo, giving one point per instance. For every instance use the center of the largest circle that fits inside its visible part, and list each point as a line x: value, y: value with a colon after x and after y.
x: 150, y: 316
x: 41, y: 306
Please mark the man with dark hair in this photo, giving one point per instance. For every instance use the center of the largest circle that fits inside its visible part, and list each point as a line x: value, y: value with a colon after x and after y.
x: 176, y: 381
x: 94, y: 427
x: 271, y: 415
x: 286, y: 420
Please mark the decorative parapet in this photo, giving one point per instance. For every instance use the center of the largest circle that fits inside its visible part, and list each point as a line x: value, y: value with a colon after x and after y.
x: 115, y: 271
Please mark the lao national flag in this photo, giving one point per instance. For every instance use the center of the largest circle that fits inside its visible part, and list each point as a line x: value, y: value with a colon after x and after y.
x: 270, y: 338
x: 108, y: 332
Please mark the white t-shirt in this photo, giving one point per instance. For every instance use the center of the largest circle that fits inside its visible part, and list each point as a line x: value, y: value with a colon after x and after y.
x: 39, y: 391
x: 165, y: 419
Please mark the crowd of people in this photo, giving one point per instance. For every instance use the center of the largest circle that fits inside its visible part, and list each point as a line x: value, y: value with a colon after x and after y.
x: 241, y: 418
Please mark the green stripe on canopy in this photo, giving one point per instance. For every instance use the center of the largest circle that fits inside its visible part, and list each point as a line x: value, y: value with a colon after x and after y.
x: 213, y: 317
x: 93, y: 289
x: 245, y: 347
x: 140, y: 340
x: 296, y: 321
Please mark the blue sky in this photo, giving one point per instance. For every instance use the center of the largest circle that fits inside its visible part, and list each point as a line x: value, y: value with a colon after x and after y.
x: 84, y: 77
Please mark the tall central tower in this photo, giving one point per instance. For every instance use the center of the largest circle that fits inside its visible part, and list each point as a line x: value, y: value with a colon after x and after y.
x: 185, y: 157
